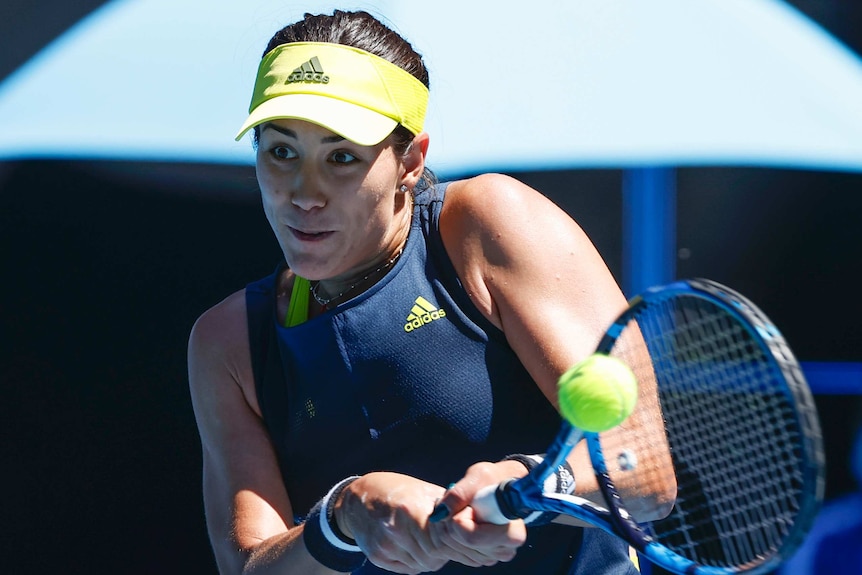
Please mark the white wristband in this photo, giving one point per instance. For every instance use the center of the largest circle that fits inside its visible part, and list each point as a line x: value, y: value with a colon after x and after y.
x: 326, y: 517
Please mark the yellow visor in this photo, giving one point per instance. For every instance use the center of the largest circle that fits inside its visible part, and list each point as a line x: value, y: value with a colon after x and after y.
x: 349, y: 91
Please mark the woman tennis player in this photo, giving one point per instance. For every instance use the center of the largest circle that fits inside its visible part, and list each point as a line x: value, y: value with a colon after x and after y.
x: 411, y: 338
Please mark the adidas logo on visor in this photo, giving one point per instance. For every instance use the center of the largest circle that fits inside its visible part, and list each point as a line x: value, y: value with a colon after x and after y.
x: 422, y: 313
x: 311, y: 71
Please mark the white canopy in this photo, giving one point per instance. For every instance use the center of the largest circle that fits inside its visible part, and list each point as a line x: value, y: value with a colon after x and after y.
x: 515, y: 85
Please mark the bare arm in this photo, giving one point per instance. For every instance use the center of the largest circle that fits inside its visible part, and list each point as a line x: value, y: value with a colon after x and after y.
x: 249, y: 517
x: 536, y: 275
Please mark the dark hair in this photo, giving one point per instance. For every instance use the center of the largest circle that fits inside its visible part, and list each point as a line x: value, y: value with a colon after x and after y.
x: 360, y: 30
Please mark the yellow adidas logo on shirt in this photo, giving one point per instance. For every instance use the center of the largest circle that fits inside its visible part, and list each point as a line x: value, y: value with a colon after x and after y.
x: 422, y: 313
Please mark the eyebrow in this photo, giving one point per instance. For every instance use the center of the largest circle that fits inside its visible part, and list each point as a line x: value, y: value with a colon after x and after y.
x: 291, y: 134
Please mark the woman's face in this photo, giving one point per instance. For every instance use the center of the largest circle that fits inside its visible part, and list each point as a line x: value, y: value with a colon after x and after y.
x: 334, y: 205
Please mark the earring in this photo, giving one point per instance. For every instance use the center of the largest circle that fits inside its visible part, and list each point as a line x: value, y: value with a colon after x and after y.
x: 403, y: 189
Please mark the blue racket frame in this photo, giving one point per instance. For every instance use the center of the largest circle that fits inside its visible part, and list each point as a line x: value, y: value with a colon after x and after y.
x: 519, y: 498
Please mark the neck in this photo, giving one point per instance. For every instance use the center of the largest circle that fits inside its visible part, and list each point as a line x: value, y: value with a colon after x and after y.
x: 329, y: 294
x: 326, y: 301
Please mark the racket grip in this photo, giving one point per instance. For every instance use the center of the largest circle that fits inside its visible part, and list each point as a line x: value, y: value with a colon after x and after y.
x: 489, y: 502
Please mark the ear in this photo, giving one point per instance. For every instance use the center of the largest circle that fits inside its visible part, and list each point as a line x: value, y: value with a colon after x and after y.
x: 414, y: 161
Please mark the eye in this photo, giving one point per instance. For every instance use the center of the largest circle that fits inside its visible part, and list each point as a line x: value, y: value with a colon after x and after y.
x: 343, y: 157
x: 283, y: 152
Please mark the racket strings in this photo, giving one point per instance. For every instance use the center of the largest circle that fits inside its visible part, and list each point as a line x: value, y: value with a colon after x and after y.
x: 732, y: 431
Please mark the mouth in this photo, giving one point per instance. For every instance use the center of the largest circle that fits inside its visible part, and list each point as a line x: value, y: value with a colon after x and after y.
x: 309, y: 236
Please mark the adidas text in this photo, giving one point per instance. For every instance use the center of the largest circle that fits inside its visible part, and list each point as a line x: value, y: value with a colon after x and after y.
x: 423, y: 312
x: 311, y: 71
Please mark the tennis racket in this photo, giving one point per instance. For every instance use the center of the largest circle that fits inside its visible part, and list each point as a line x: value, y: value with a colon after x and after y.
x: 743, y: 438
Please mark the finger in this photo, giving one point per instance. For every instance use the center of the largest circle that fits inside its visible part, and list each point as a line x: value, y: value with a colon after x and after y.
x: 491, y: 539
x: 474, y: 544
x: 393, y: 565
x: 460, y: 494
x: 429, y: 552
x: 451, y: 502
x: 412, y: 545
x: 405, y: 560
x: 439, y: 543
x: 446, y: 545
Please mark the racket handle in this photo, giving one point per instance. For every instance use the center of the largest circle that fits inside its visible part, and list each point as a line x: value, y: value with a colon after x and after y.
x: 486, y: 504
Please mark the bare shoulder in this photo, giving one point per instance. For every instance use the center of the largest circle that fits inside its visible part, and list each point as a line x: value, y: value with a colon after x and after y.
x: 218, y: 354
x: 505, y: 216
x: 489, y: 196
x: 222, y: 328
x: 502, y: 211
x: 501, y: 232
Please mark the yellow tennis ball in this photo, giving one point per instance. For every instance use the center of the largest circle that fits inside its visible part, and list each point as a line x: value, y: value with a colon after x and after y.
x: 597, y: 393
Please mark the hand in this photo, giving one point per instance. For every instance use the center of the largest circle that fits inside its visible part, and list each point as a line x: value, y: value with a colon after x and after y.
x: 480, y: 475
x: 387, y: 514
x: 497, y: 542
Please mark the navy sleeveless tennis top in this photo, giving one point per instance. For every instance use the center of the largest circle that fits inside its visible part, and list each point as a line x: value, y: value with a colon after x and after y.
x: 408, y: 377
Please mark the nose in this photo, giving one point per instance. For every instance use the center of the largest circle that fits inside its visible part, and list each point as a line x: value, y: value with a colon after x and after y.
x: 305, y: 192
x: 307, y: 200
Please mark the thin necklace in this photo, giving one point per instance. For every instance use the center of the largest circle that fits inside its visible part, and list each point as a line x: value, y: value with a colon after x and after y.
x: 324, y: 302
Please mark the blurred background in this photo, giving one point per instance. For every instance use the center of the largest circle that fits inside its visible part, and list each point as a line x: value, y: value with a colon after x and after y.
x: 718, y: 139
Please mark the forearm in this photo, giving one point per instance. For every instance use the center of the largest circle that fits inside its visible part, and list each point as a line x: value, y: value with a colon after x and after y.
x: 283, y: 554
x: 317, y: 546
x: 251, y: 539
